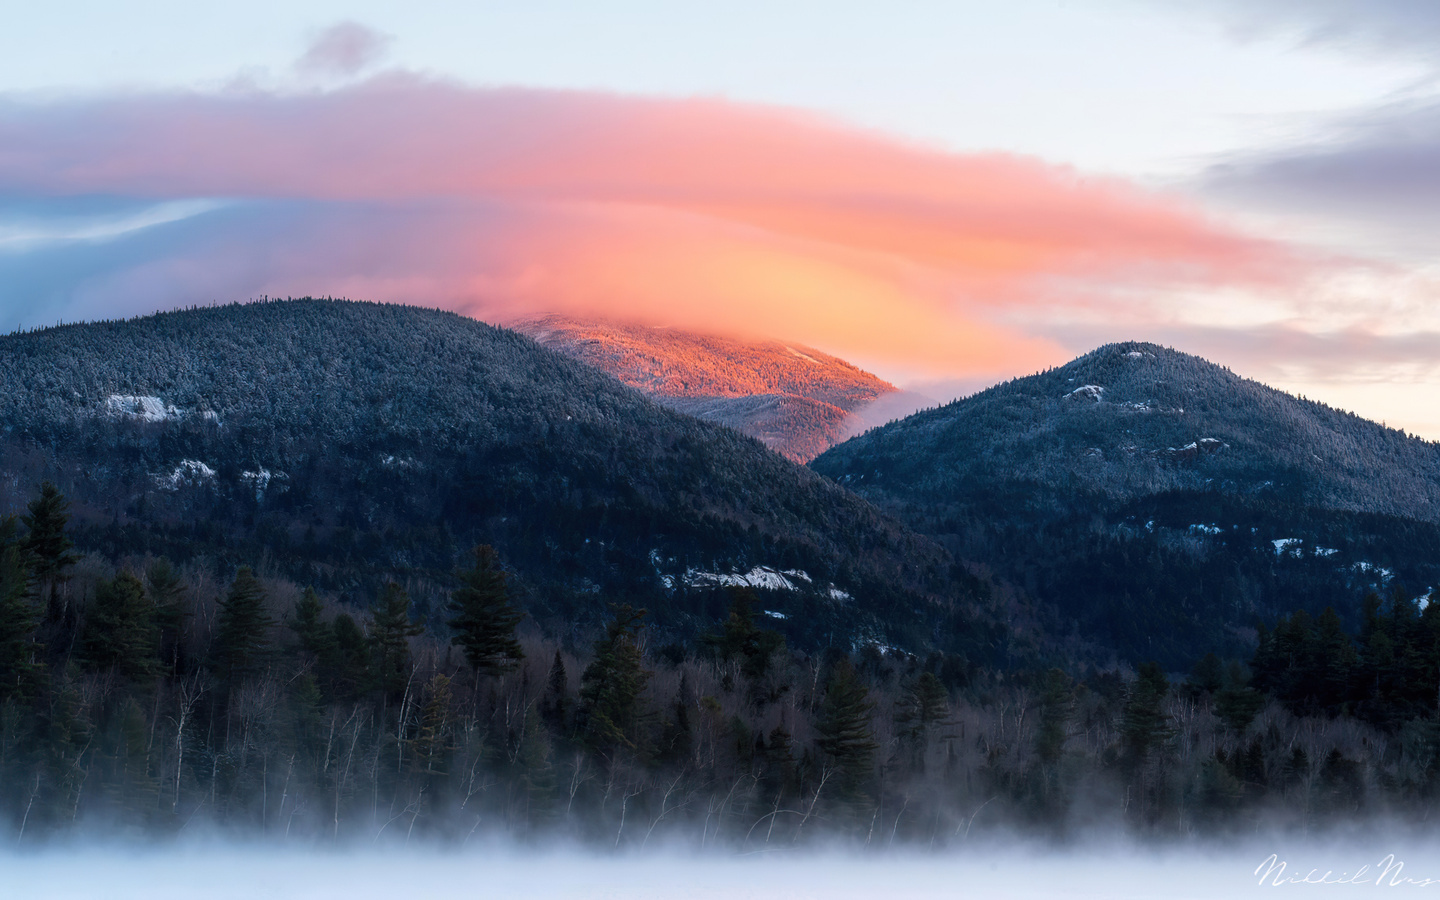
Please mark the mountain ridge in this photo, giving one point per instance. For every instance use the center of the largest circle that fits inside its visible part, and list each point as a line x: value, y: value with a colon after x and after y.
x: 1132, y: 418
x: 350, y: 441
x: 794, y: 398
x: 1158, y: 504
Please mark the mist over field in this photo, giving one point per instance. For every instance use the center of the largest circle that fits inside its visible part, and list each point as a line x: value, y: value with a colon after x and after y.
x: 1254, y: 867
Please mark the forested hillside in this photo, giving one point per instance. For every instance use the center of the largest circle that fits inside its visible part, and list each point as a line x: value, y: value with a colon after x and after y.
x: 1132, y: 420
x: 1160, y: 504
x: 345, y: 444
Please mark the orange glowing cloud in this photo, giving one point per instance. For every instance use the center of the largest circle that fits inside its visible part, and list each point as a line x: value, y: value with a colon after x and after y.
x: 699, y: 213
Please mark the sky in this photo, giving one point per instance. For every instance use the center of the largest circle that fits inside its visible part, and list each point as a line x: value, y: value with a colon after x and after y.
x: 946, y: 193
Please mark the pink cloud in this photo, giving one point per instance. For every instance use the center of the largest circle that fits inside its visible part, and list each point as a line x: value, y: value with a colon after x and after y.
x: 693, y: 212
x: 345, y: 48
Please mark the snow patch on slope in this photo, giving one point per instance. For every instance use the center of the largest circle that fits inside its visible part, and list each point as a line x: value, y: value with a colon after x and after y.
x: 761, y: 577
x: 262, y: 479
x: 145, y: 409
x: 758, y: 577
x: 1092, y: 392
x: 1288, y: 545
x: 1384, y: 573
x: 189, y: 473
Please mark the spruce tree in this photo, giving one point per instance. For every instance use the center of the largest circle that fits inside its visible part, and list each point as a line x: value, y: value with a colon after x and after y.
x: 780, y: 764
x: 1237, y: 704
x: 555, y: 704
x: 390, y: 633
x: 1057, y: 702
x: 845, y: 736
x: 345, y: 669
x: 1336, y: 663
x: 740, y: 638
x: 313, y: 633
x: 611, y: 685
x: 1208, y: 675
x: 431, y: 746
x: 120, y: 631
x: 19, y: 618
x: 482, y: 617
x: 922, y: 704
x: 172, y: 609
x: 1145, y: 725
x: 50, y: 548
x: 242, y: 628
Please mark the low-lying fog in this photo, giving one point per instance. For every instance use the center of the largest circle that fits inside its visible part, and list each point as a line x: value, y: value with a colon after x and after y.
x: 216, y: 871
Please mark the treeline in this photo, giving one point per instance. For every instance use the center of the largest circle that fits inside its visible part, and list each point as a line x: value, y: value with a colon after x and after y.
x: 145, y: 698
x: 1386, y: 674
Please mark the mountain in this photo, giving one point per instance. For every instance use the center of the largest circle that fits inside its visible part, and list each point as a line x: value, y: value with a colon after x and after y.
x: 344, y: 444
x: 795, y: 399
x: 1159, y: 502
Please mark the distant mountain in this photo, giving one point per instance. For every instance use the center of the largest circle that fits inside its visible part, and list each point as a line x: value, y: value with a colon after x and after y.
x: 795, y: 399
x: 1158, y: 501
x: 343, y: 443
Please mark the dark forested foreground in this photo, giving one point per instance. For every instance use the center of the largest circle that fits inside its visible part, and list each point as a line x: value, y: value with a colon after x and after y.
x: 150, y: 699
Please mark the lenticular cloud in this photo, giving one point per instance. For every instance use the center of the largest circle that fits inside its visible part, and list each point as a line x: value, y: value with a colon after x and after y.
x: 499, y: 203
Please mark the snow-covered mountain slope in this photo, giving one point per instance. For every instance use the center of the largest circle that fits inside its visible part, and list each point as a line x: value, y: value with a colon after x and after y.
x: 797, y: 400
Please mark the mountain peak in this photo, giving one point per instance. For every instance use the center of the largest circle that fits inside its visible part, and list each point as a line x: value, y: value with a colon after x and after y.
x: 794, y: 398
x: 1120, y: 422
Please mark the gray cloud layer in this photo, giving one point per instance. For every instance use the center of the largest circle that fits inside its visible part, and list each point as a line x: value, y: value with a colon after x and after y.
x: 1366, y: 26
x: 1379, y: 168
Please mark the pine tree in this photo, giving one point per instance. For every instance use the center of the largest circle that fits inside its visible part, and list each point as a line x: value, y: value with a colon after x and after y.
x: 740, y: 638
x: 431, y: 745
x: 344, y: 671
x: 555, y: 704
x: 50, y: 548
x: 1057, y: 703
x: 845, y: 736
x: 1145, y: 724
x: 482, y: 617
x: 1237, y: 703
x: 1208, y: 676
x: 172, y: 608
x: 241, y: 628
x: 313, y: 633
x: 120, y: 631
x: 611, y: 685
x: 390, y: 633
x: 19, y: 618
x: 922, y: 704
x: 780, y: 764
